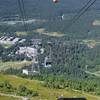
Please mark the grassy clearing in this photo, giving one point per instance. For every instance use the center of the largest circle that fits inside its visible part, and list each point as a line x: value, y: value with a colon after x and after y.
x: 91, y: 43
x: 96, y: 23
x: 22, y: 33
x: 41, y: 31
x: 7, y: 45
x: 95, y: 69
x: 8, y: 98
x: 14, y: 65
x: 44, y: 32
x: 44, y: 93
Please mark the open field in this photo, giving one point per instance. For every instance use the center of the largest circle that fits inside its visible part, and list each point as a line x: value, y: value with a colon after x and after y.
x: 97, y: 74
x: 14, y: 65
x: 45, y: 32
x: 96, y: 23
x: 44, y: 93
x: 94, y: 71
x: 41, y: 31
x: 21, y: 33
x: 91, y: 43
x: 8, y: 98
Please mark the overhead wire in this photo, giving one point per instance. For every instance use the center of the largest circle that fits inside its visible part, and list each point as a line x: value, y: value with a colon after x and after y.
x: 81, y: 12
x: 72, y: 21
x: 23, y: 14
x: 78, y: 15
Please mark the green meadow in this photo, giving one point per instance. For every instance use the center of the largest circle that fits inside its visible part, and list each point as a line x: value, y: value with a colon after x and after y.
x: 44, y: 92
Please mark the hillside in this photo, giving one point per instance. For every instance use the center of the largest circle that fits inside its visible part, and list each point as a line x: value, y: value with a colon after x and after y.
x: 49, y: 94
x: 14, y: 65
x: 60, y: 61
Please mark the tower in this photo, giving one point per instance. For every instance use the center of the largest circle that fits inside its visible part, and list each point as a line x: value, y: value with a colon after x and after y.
x: 35, y: 66
x: 35, y: 69
x: 48, y: 58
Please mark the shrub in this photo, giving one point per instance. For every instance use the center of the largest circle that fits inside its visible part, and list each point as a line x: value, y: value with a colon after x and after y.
x: 24, y: 91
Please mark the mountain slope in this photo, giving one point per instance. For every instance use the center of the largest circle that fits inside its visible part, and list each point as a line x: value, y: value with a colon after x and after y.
x: 48, y: 93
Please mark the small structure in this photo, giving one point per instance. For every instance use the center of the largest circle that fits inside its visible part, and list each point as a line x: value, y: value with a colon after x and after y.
x: 28, y: 51
x: 48, y: 59
x: 35, y: 66
x: 62, y: 17
x: 35, y: 70
x: 25, y: 98
x: 25, y: 71
x: 36, y: 41
x: 47, y: 62
x: 41, y: 50
x: 15, y: 40
x: 10, y: 40
x: 23, y: 40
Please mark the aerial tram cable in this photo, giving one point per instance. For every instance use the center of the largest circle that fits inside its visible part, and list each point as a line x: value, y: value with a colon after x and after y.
x: 25, y: 15
x: 22, y: 14
x: 85, y: 9
x: 78, y: 17
x: 80, y: 11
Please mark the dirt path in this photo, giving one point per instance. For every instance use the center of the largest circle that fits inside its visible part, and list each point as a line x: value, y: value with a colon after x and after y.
x: 84, y: 93
x: 11, y: 95
x: 95, y: 73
